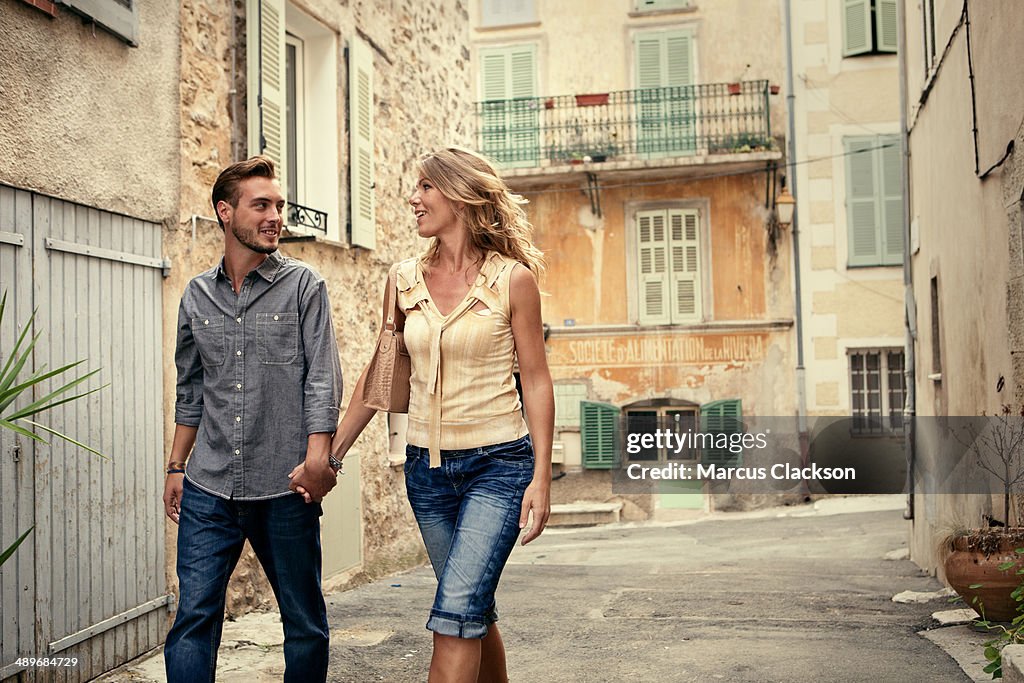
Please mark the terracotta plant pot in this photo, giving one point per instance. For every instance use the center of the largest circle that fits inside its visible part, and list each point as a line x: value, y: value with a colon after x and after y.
x: 967, y: 565
x: 592, y: 100
x: 773, y: 89
x: 735, y: 88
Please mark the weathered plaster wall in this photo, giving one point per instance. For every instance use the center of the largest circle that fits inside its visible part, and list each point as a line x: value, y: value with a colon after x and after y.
x: 582, y: 248
x: 969, y: 235
x: 66, y: 88
x: 421, y: 63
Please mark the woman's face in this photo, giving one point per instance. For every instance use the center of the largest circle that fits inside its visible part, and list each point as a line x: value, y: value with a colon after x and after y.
x: 435, y: 214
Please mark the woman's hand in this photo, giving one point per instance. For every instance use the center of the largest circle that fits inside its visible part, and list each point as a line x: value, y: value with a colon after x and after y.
x: 538, y: 500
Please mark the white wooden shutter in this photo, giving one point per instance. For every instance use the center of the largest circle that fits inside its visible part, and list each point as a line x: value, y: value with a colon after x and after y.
x: 653, y: 267
x: 265, y: 88
x: 361, y: 172
x: 890, y: 189
x: 684, y: 278
x: 862, y: 203
x: 885, y: 25
x: 856, y: 27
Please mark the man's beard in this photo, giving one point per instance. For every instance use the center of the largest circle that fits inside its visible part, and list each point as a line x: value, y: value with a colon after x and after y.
x: 244, y: 239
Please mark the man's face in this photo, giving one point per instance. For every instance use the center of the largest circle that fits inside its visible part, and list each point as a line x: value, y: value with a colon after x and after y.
x: 256, y: 220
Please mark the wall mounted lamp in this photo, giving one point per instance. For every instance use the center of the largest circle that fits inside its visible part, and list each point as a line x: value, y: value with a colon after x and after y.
x: 784, y: 206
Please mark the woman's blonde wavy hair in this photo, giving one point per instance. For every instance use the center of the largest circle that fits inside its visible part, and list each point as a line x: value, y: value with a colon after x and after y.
x: 492, y: 213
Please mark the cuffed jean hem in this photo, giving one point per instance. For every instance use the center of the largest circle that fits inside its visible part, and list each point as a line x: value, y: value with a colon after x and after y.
x: 457, y: 626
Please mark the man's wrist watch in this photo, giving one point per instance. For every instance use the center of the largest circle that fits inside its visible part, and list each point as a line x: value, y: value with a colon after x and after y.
x: 337, y: 465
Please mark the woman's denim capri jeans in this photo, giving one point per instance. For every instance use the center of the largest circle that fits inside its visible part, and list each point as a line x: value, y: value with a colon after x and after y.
x: 468, y: 512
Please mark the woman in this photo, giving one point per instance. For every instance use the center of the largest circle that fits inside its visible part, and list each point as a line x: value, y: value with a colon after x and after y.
x: 470, y: 306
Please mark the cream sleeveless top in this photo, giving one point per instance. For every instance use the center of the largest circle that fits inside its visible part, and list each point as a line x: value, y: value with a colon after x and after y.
x: 462, y: 393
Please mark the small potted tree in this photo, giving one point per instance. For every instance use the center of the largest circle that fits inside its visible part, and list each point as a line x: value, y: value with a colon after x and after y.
x: 979, y: 561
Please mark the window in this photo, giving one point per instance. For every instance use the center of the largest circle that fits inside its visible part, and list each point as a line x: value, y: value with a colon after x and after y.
x: 292, y: 86
x: 510, y: 124
x: 120, y: 17
x: 869, y: 27
x: 877, y: 390
x: 928, y: 33
x: 874, y: 201
x: 567, y: 404
x: 665, y: 103
x: 655, y: 5
x: 936, y: 331
x: 668, y: 266
x: 722, y: 417
x: 507, y: 12
x: 599, y: 434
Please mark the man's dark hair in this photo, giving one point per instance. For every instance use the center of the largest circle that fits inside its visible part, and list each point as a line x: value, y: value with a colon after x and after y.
x: 226, y: 187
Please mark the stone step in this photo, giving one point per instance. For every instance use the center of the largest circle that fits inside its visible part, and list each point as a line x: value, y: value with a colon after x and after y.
x: 584, y: 514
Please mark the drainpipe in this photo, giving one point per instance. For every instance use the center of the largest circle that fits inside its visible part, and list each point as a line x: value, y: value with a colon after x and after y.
x: 910, y: 305
x: 801, y: 373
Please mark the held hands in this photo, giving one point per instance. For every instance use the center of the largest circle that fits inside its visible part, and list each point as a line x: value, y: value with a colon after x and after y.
x: 537, y: 499
x: 313, y: 479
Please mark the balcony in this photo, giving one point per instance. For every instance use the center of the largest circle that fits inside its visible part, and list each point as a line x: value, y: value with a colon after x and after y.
x: 654, y: 128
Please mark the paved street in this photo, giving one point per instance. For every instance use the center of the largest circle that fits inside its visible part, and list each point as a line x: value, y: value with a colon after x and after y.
x: 793, y: 594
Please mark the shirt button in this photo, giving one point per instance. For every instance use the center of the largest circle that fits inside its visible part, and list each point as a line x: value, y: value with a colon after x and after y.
x: 238, y: 320
x: 206, y: 322
x: 238, y: 353
x: 238, y: 418
x: 238, y: 386
x: 237, y: 452
x: 276, y: 317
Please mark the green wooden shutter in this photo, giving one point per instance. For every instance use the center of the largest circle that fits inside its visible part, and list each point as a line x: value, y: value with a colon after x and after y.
x: 890, y: 188
x: 664, y: 76
x: 265, y: 86
x: 361, y: 171
x: 721, y: 417
x: 856, y: 27
x: 510, y: 128
x: 885, y: 25
x: 862, y: 203
x: 653, y: 267
x: 599, y: 434
x: 684, y: 279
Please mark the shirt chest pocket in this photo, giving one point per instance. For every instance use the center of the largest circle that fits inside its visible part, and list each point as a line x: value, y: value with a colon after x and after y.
x: 209, y: 336
x: 277, y: 338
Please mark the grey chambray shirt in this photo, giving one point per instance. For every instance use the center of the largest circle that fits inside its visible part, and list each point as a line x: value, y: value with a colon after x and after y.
x: 257, y: 373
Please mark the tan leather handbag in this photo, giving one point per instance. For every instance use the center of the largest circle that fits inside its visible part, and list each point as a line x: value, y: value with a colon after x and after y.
x: 386, y: 386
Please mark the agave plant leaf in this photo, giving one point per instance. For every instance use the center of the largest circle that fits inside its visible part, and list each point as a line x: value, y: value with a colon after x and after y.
x: 8, y: 396
x: 14, y: 546
x: 45, y: 402
x: 21, y: 430
x: 67, y: 438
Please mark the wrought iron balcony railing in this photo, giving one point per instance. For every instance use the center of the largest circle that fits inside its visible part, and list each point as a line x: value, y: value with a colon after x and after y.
x: 712, y: 118
x: 305, y: 217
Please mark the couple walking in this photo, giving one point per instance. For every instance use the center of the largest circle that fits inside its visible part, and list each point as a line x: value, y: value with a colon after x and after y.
x: 258, y: 443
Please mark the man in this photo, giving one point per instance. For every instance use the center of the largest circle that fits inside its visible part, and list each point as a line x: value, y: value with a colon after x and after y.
x: 258, y: 393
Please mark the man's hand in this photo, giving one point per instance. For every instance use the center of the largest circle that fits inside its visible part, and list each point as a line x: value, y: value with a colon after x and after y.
x: 172, y: 496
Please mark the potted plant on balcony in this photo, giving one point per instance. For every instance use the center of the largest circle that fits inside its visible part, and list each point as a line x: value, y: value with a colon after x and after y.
x: 592, y: 99
x: 981, y: 564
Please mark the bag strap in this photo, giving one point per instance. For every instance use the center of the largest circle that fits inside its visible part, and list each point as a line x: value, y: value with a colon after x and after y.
x: 392, y: 300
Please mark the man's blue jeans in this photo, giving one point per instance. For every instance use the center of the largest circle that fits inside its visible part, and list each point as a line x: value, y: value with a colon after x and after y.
x: 285, y: 534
